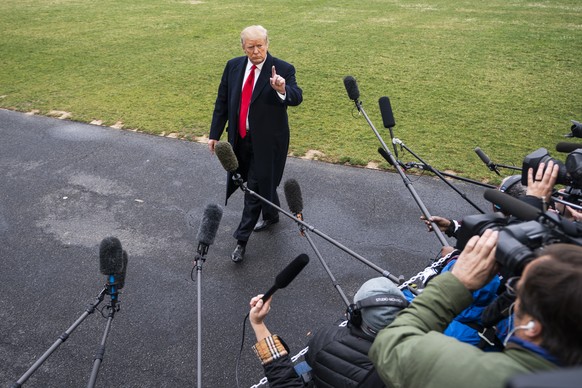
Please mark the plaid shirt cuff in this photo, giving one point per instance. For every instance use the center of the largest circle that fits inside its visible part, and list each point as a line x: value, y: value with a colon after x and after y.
x: 269, y: 349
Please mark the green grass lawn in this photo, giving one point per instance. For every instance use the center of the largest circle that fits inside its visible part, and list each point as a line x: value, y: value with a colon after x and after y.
x: 502, y: 75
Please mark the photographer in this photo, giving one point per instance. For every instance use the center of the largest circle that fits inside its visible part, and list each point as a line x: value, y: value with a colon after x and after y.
x: 413, y: 352
x: 338, y: 353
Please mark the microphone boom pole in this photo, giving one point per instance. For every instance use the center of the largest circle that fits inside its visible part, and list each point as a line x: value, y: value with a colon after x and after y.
x: 394, y: 162
x: 410, y: 165
x: 437, y: 173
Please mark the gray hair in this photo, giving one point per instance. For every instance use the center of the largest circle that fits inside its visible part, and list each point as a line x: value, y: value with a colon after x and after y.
x: 254, y: 32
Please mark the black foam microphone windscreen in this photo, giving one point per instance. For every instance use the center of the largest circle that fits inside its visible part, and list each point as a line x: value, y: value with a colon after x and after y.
x: 209, y: 226
x: 352, y: 87
x: 110, y: 256
x: 511, y: 205
x: 288, y: 274
x: 121, y: 277
x: 386, y: 111
x: 226, y: 156
x: 567, y: 147
x: 482, y: 156
x: 293, y: 196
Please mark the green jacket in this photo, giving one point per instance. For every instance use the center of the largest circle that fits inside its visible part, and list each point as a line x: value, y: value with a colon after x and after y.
x: 412, y: 352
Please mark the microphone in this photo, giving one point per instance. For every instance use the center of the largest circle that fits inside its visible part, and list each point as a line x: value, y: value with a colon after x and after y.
x: 386, y: 111
x: 385, y: 155
x: 226, y: 156
x: 352, y: 88
x: 208, y: 227
x: 287, y: 275
x: 486, y: 160
x: 293, y: 197
x: 110, y: 256
x: 121, y: 278
x: 511, y: 205
x: 567, y: 147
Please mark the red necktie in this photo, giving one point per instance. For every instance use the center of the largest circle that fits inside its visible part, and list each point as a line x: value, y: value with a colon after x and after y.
x: 245, y: 101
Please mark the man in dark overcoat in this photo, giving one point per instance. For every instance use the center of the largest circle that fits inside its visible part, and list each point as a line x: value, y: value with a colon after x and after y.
x: 258, y: 127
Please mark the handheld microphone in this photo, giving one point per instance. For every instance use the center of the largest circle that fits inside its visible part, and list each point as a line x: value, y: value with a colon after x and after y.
x: 287, y: 275
x: 226, y: 156
x: 511, y: 205
x: 352, y: 88
x: 485, y: 159
x: 110, y: 256
x: 386, y: 111
x: 567, y: 147
x: 208, y: 227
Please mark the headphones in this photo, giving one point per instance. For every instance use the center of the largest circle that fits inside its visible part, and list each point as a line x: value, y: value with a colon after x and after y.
x: 509, y: 182
x: 354, y: 311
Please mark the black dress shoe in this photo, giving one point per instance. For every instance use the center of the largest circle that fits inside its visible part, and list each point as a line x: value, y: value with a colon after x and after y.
x: 264, y: 224
x: 238, y: 254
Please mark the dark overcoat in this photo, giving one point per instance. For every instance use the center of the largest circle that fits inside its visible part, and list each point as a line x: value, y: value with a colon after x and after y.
x: 268, y: 120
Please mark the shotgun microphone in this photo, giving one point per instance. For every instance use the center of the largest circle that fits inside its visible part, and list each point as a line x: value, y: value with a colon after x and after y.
x: 293, y: 197
x: 208, y: 228
x: 386, y: 111
x: 287, y: 275
x: 110, y: 256
x: 567, y: 147
x: 485, y: 159
x: 226, y: 156
x: 352, y: 88
x: 511, y: 205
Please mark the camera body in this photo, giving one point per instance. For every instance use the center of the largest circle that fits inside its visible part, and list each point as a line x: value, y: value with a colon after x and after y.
x: 520, y: 241
x: 569, y: 174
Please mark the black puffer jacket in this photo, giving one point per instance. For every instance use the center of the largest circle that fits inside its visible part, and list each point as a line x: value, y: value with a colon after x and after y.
x: 338, y: 355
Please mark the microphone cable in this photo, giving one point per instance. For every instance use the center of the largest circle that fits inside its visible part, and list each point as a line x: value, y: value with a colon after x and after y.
x: 242, y: 344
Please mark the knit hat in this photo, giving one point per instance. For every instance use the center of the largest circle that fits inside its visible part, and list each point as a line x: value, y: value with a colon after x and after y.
x: 375, y: 318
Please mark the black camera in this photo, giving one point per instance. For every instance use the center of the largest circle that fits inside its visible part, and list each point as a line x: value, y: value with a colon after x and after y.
x: 570, y: 174
x: 576, y: 129
x: 541, y: 155
x: 476, y: 225
x: 518, y: 241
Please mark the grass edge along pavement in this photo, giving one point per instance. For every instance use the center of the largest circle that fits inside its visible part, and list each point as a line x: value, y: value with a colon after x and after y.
x: 503, y: 76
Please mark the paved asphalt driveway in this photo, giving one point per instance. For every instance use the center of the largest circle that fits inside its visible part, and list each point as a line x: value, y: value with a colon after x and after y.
x: 64, y: 186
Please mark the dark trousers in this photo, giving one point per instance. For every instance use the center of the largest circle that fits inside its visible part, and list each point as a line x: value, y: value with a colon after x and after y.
x: 253, y: 206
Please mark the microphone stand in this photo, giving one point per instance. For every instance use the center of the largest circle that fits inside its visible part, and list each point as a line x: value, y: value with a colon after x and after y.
x: 404, y: 177
x: 437, y: 173
x: 238, y: 180
x: 113, y: 307
x: 200, y: 259
x: 63, y: 337
x: 304, y: 233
